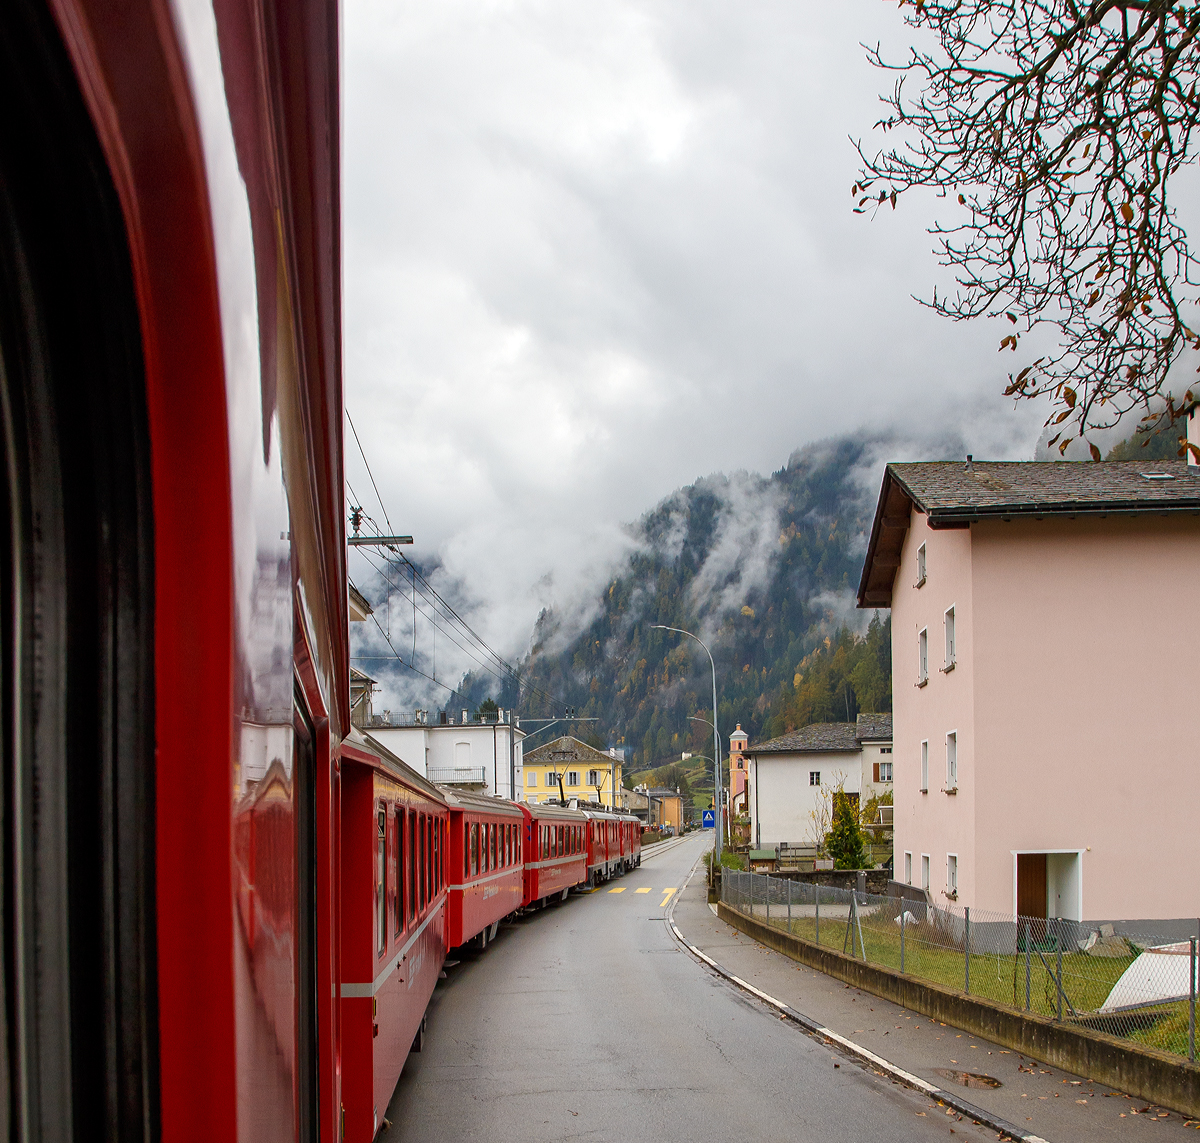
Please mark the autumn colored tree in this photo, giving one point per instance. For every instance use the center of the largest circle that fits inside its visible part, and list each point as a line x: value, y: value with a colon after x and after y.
x: 1056, y: 131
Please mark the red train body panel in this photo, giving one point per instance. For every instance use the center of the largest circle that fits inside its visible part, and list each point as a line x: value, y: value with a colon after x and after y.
x: 393, y: 937
x: 486, y: 865
x: 555, y: 851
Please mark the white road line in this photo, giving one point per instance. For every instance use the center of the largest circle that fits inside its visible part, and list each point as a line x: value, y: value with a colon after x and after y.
x: 949, y: 1098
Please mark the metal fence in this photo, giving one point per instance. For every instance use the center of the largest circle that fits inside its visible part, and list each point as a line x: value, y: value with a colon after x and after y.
x: 1138, y: 986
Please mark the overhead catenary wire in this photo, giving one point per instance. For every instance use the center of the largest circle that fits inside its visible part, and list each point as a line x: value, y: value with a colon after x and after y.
x: 431, y: 596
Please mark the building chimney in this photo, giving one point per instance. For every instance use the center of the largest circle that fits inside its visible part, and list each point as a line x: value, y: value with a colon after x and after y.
x: 465, y: 720
x: 442, y: 718
x: 970, y: 463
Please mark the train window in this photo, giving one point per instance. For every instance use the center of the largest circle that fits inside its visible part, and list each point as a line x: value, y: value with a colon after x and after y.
x: 399, y: 827
x: 423, y: 862
x: 508, y: 843
x: 473, y: 848
x: 429, y: 858
x: 412, y: 864
x: 492, y: 844
x: 380, y: 883
x: 466, y: 850
x: 437, y: 854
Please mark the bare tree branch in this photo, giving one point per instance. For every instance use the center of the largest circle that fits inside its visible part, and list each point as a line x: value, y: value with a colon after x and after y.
x: 1055, y: 129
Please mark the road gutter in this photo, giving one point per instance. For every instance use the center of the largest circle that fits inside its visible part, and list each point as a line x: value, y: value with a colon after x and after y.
x: 813, y: 1028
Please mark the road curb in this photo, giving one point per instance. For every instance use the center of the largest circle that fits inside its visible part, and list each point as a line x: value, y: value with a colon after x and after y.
x: 950, y: 1099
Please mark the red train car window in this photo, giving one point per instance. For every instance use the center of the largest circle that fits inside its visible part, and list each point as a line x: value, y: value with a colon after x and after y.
x: 380, y: 866
x: 422, y: 861
x: 399, y: 828
x: 492, y: 845
x: 430, y: 858
x: 412, y: 864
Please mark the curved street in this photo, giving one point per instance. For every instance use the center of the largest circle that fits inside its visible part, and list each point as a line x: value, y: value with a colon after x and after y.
x: 588, y: 1020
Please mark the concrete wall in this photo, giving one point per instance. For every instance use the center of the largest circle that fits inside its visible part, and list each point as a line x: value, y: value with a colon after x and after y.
x: 935, y: 822
x: 1073, y: 698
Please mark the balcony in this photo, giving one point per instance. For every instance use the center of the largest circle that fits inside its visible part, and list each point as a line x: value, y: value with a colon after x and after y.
x: 458, y: 775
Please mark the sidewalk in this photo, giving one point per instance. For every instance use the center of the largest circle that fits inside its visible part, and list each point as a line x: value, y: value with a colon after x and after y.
x: 1060, y: 1108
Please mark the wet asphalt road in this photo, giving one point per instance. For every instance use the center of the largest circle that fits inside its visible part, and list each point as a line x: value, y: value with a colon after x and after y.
x: 588, y: 1021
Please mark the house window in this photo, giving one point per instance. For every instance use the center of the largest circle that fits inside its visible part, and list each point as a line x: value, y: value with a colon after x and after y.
x: 885, y: 750
x: 924, y: 767
x: 920, y: 565
x: 952, y: 761
x: 923, y: 657
x: 814, y: 777
x: 924, y: 871
x: 572, y: 777
x: 531, y: 781
x: 551, y: 779
x: 949, y: 639
x: 952, y: 875
x: 593, y: 777
x: 908, y: 869
x: 739, y: 764
x: 885, y: 771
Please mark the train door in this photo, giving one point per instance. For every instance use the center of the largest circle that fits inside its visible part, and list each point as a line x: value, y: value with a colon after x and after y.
x: 78, y: 1005
x: 304, y: 785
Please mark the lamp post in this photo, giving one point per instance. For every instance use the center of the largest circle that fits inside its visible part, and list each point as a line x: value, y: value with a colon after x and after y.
x: 716, y: 735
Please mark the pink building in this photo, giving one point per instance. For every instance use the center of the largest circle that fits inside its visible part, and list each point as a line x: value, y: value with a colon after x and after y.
x: 738, y: 741
x: 1044, y: 679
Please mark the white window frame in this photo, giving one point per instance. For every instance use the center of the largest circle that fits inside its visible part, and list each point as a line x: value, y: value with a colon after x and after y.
x: 907, y: 868
x: 814, y: 774
x: 922, y: 656
x: 951, y: 761
x: 889, y: 771
x: 921, y: 560
x: 950, y: 634
x: 572, y: 777
x: 924, y: 871
x: 925, y: 766
x: 952, y: 876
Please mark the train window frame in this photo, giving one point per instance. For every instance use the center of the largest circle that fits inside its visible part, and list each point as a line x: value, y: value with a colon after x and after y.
x: 412, y: 865
x: 380, y: 878
x: 421, y: 863
x: 398, y: 822
x: 473, y: 848
x: 492, y: 850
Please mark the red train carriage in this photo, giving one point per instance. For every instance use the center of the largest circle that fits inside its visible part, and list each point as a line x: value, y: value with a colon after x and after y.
x: 555, y: 850
x: 172, y: 570
x: 485, y: 867
x: 631, y: 840
x: 393, y: 867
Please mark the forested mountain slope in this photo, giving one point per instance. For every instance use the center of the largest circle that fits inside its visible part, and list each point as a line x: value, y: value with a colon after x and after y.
x: 764, y: 570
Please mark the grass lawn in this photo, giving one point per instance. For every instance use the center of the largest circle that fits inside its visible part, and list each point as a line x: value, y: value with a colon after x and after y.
x: 998, y: 976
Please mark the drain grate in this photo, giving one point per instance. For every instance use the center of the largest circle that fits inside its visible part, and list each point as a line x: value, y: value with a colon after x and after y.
x: 967, y: 1079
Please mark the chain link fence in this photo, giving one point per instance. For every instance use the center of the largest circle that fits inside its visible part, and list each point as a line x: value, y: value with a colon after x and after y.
x: 1140, y: 987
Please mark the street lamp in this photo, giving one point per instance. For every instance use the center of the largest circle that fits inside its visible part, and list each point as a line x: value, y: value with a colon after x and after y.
x: 716, y: 735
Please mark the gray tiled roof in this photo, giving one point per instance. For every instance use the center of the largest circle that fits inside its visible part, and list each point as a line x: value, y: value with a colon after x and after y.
x: 817, y: 737
x: 950, y: 486
x: 874, y: 728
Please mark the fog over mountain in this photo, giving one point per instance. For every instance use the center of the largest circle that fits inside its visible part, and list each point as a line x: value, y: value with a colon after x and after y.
x: 596, y: 253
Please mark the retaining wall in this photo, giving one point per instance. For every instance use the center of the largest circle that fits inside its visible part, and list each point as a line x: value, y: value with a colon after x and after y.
x: 1157, y: 1077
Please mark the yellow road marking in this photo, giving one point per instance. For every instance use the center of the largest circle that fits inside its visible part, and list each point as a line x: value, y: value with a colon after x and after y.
x: 668, y: 893
x: 646, y: 890
x: 619, y: 889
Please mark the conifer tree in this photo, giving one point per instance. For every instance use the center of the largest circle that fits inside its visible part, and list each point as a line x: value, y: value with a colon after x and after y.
x: 846, y: 839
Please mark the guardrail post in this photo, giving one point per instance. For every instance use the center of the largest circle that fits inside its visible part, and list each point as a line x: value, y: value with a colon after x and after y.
x: 1192, y: 1000
x: 1026, y: 966
x: 903, y: 914
x: 1059, y: 981
x: 967, y: 954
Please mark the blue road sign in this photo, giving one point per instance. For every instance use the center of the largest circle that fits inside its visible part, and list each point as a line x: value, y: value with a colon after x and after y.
x: 710, y: 819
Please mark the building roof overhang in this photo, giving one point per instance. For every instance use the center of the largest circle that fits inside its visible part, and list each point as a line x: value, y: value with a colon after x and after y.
x: 953, y: 494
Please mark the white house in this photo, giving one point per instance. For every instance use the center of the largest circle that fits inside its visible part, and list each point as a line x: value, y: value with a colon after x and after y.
x: 792, y: 776
x: 482, y: 755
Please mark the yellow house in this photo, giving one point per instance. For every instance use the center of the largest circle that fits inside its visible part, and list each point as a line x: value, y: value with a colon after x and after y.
x: 588, y: 774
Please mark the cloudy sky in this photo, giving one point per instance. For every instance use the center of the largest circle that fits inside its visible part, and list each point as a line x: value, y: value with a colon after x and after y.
x: 594, y: 251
